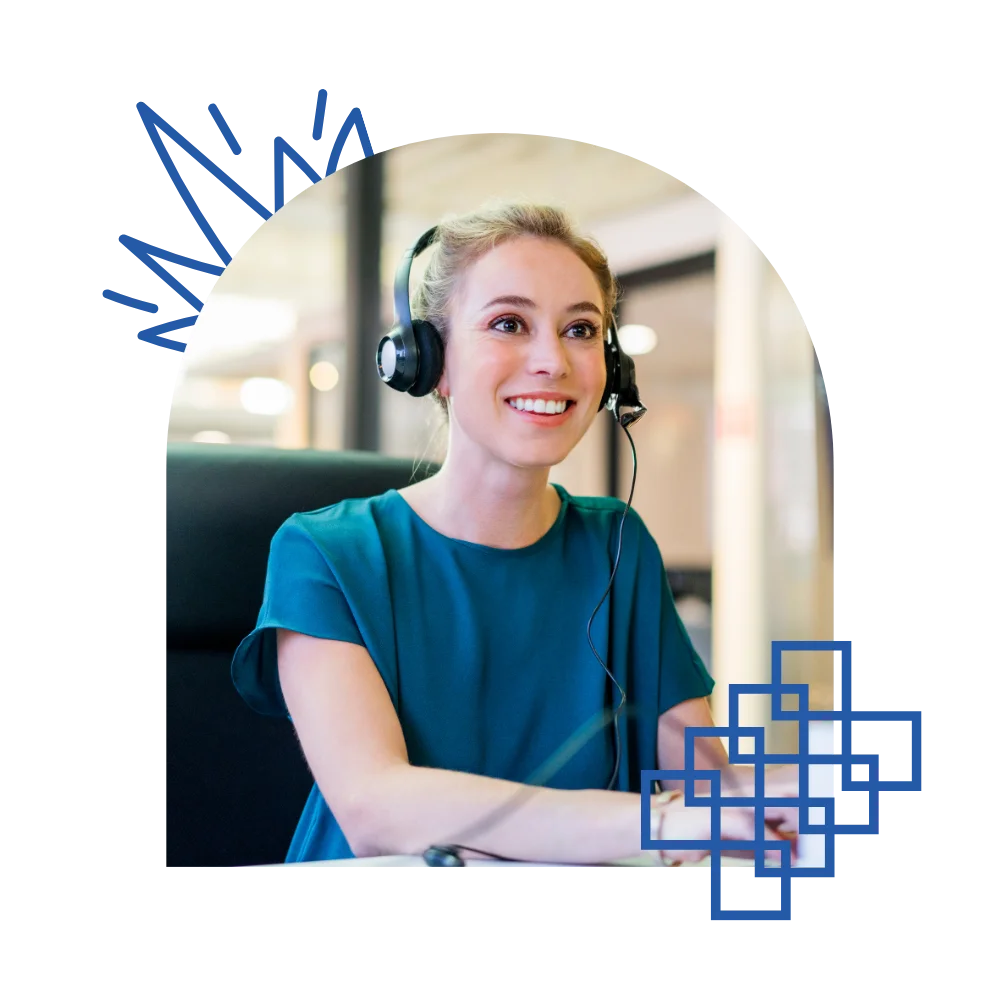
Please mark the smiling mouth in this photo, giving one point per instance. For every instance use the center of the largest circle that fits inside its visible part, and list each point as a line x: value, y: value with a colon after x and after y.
x: 542, y: 407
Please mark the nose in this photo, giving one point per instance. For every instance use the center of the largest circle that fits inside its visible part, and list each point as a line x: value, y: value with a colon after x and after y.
x: 547, y: 354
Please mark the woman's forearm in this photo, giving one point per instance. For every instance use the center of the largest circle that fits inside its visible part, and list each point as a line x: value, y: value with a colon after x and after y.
x: 407, y: 809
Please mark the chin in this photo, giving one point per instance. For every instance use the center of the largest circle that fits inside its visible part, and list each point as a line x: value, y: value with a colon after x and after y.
x: 536, y: 458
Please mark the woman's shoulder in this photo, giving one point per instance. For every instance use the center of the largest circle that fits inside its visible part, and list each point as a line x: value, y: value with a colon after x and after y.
x: 600, y: 518
x: 351, y: 517
x: 601, y: 508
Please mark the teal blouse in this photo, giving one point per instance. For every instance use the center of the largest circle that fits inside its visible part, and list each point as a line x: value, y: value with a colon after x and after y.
x: 483, y: 651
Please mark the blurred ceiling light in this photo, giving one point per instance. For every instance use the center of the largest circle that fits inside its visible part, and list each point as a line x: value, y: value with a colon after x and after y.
x: 323, y: 376
x: 212, y: 437
x: 265, y: 396
x: 636, y: 339
x: 232, y: 324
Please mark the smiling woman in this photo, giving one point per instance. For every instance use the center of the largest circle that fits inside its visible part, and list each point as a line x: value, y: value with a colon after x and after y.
x: 473, y: 255
x: 431, y: 645
x: 538, y: 340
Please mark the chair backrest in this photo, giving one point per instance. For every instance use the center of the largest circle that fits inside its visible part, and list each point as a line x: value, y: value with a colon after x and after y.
x: 236, y: 780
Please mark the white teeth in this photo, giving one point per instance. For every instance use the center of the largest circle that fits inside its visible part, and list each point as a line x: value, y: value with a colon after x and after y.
x: 539, y: 405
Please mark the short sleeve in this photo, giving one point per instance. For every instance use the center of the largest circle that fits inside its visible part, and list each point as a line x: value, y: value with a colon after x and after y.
x: 682, y: 673
x: 301, y: 594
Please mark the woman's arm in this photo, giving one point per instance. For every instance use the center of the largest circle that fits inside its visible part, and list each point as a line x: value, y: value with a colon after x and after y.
x: 354, y: 745
x: 710, y: 755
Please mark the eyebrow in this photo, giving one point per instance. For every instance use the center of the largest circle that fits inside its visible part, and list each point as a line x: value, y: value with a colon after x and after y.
x: 520, y: 300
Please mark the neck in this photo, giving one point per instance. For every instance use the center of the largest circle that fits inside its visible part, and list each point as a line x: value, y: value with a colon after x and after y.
x: 487, y: 502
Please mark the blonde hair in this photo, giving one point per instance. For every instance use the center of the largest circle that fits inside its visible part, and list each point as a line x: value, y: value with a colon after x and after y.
x: 463, y: 240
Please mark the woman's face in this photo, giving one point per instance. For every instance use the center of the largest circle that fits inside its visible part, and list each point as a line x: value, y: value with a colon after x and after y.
x: 526, y: 334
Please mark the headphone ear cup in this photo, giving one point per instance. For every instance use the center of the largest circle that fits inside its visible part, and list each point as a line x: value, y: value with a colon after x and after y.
x: 430, y: 352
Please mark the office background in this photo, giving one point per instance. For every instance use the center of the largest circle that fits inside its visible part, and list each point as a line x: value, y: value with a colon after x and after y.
x: 735, y: 457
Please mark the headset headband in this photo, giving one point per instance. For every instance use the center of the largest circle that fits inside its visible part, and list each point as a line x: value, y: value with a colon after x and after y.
x: 401, y: 288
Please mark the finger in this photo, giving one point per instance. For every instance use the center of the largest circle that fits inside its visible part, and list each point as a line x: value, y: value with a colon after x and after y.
x: 739, y: 824
x: 780, y: 815
x: 772, y: 856
x: 736, y: 824
x: 684, y: 857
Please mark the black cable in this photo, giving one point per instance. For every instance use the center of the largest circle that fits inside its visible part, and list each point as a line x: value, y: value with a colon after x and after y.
x: 447, y: 855
x: 607, y: 590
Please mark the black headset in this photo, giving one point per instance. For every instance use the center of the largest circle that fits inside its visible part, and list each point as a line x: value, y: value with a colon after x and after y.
x: 410, y: 356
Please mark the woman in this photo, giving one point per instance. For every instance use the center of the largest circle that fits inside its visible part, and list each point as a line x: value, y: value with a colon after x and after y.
x: 430, y: 644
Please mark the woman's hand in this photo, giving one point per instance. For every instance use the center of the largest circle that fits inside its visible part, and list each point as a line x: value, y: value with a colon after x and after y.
x: 781, y: 781
x: 673, y: 820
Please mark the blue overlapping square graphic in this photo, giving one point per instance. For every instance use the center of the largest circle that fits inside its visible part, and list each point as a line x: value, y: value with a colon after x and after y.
x: 859, y: 772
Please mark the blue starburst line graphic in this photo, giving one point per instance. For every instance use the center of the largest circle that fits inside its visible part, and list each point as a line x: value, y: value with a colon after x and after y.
x: 156, y: 128
x: 224, y: 129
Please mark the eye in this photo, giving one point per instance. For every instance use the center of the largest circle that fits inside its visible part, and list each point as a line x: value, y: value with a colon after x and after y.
x: 507, y: 324
x: 582, y: 330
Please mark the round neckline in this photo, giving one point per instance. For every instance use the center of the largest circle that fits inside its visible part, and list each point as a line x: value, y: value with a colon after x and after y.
x: 538, y: 543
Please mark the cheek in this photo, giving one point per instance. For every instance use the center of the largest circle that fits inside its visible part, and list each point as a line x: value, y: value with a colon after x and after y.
x: 485, y: 367
x: 595, y: 368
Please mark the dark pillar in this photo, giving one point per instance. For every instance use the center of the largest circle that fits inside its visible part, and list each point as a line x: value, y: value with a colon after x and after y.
x: 363, y: 322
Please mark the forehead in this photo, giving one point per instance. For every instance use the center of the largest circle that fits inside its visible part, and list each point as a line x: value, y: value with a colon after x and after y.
x: 545, y: 271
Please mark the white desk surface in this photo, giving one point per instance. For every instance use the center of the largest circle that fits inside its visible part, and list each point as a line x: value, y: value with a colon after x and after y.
x: 415, y: 861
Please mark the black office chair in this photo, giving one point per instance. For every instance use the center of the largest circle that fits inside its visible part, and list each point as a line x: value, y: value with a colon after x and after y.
x: 236, y: 780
